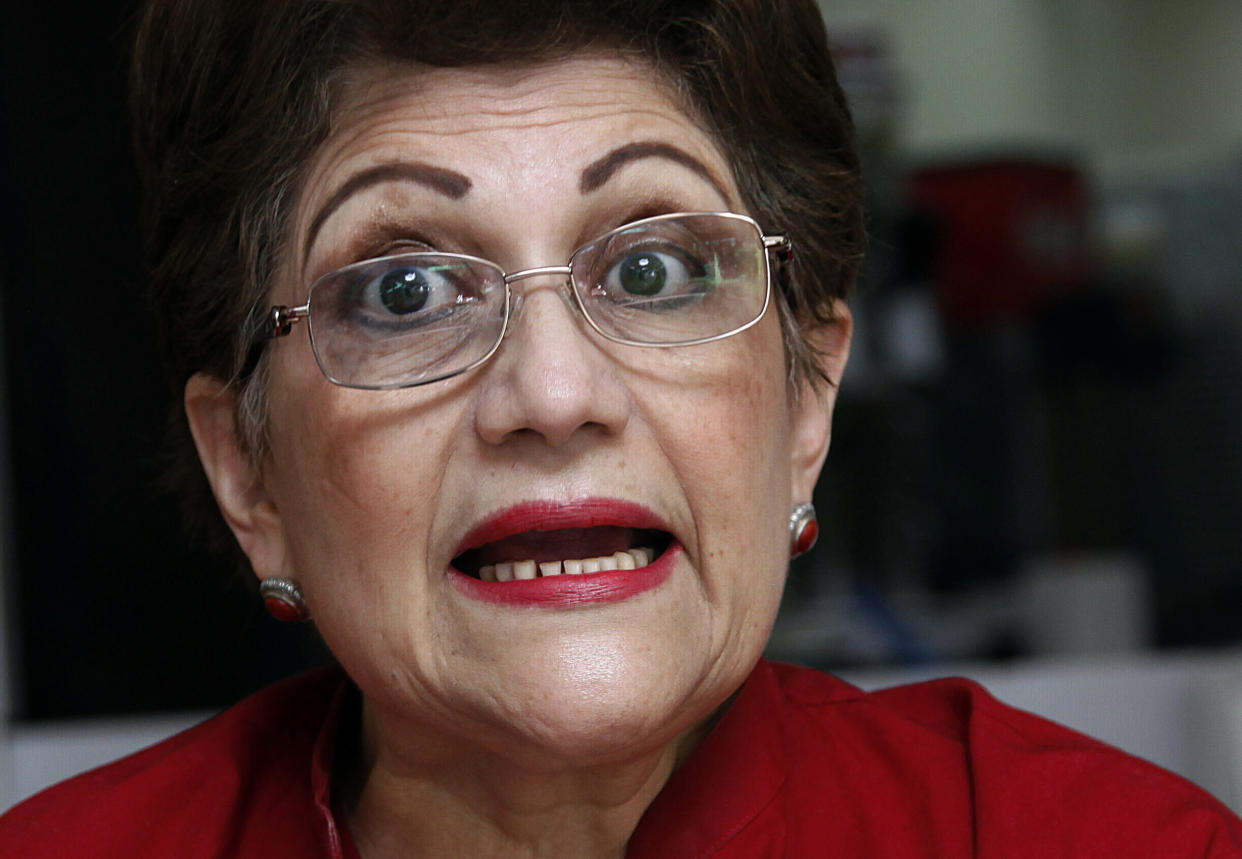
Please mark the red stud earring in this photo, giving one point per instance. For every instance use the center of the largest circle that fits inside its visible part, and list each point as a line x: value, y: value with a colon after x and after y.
x: 283, y: 600
x: 803, y: 530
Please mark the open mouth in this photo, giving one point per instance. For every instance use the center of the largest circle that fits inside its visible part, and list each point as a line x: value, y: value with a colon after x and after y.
x: 567, y: 551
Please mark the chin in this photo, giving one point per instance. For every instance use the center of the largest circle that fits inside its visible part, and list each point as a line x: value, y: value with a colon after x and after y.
x: 596, y: 702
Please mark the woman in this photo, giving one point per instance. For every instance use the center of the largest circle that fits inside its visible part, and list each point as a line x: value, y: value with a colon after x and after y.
x: 538, y: 468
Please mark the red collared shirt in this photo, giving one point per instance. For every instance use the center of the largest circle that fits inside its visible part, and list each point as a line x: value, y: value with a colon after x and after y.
x: 801, y: 765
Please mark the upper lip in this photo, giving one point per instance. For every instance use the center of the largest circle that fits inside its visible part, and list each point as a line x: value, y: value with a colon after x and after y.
x: 558, y: 515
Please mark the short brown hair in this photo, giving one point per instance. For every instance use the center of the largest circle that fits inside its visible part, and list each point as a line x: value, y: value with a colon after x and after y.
x: 232, y: 98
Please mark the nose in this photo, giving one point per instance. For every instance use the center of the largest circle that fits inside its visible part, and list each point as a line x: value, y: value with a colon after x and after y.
x: 552, y: 378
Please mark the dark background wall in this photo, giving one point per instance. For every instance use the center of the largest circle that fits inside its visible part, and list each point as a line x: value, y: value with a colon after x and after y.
x: 110, y: 609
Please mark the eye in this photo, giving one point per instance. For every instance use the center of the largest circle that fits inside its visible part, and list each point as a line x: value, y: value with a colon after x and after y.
x: 651, y: 274
x: 644, y: 273
x: 405, y: 292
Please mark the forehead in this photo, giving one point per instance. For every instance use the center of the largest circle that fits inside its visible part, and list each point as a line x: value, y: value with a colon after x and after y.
x: 484, y: 99
x: 511, y: 130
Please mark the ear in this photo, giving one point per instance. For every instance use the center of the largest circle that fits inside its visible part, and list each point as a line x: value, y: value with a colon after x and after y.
x: 812, y: 416
x: 211, y: 407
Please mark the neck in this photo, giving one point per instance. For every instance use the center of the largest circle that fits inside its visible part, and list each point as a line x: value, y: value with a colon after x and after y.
x: 406, y: 794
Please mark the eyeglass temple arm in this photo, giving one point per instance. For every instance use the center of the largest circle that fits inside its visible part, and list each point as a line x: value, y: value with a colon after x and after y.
x: 278, y: 323
x: 783, y: 248
x: 280, y: 320
x: 781, y: 244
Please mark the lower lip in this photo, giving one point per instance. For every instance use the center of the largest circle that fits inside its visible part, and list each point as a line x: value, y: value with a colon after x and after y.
x: 569, y: 591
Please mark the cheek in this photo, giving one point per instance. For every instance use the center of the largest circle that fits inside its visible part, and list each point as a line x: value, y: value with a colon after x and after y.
x: 352, y: 483
x: 727, y: 434
x: 735, y: 423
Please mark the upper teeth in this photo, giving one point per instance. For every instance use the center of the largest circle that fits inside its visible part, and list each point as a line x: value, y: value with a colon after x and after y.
x: 631, y: 559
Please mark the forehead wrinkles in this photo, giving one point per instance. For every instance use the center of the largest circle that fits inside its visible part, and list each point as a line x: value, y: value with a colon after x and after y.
x: 401, y: 116
x: 389, y: 113
x: 380, y: 128
x: 384, y: 107
x: 482, y: 98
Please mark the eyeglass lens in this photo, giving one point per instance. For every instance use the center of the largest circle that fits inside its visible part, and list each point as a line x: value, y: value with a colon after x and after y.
x: 415, y: 318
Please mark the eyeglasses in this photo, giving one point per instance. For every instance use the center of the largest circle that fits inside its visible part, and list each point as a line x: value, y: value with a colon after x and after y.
x: 416, y: 318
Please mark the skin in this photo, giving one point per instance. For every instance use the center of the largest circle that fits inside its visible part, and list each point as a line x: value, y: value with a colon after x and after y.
x: 500, y: 730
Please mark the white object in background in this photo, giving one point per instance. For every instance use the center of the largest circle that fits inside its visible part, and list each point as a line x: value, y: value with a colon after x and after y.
x: 910, y: 330
x: 1220, y: 728
x: 1092, y: 603
x: 1180, y: 711
x: 40, y: 755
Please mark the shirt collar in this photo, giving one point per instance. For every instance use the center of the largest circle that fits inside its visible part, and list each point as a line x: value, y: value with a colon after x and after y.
x: 335, y: 836
x: 735, y: 773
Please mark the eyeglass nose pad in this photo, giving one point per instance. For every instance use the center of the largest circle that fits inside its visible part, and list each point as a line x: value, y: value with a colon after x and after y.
x: 517, y: 298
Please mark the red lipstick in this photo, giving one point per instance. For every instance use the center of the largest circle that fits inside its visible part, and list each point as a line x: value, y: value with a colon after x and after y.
x: 566, y: 591
x: 555, y: 515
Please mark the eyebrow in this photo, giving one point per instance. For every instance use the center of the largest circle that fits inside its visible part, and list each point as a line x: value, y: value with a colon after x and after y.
x: 600, y: 171
x: 455, y: 185
x: 447, y: 182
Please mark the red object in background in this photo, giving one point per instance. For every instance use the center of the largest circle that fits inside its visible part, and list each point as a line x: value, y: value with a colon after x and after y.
x: 1012, y: 236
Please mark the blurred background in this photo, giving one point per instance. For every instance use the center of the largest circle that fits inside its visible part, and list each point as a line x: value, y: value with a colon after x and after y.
x: 1037, y: 457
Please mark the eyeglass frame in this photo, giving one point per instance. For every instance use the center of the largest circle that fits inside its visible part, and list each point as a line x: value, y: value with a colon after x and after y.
x: 280, y: 318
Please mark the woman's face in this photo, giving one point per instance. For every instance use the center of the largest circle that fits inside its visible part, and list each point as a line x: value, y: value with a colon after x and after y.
x: 368, y: 497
